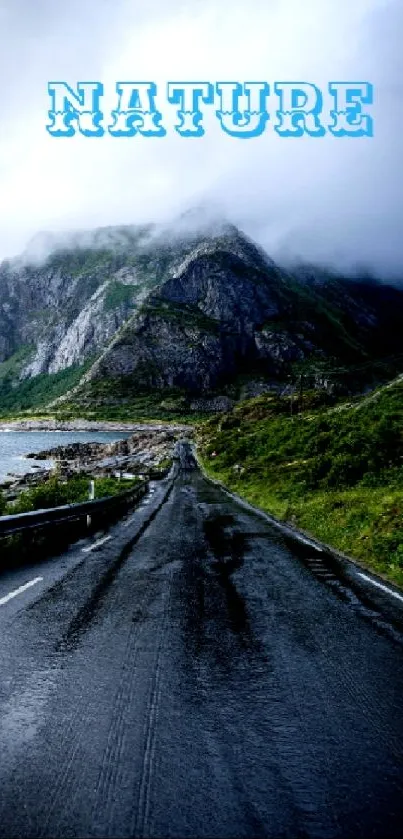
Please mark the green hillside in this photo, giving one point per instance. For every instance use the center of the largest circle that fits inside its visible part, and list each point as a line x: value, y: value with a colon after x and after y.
x: 336, y: 473
x: 37, y: 392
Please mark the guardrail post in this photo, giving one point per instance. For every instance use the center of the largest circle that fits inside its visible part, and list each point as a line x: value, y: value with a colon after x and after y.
x: 91, y: 496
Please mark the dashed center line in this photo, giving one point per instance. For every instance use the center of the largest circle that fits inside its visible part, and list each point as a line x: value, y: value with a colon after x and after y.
x: 96, y: 545
x: 20, y: 590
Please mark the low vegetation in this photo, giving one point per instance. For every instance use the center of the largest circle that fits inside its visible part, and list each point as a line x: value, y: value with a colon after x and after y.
x: 118, y: 294
x: 103, y: 400
x: 336, y: 473
x: 120, y: 399
x: 37, y: 392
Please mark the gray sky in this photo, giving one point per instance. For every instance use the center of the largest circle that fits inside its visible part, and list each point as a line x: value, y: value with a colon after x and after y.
x: 333, y: 200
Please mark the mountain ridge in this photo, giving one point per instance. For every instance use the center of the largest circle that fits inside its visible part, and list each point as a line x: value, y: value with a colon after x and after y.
x: 188, y: 311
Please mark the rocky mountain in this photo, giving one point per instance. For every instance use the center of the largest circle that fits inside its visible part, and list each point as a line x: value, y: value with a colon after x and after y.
x: 126, y: 310
x: 62, y: 310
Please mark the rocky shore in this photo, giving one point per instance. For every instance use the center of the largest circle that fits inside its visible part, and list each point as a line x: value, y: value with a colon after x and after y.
x: 145, y: 452
x: 142, y: 451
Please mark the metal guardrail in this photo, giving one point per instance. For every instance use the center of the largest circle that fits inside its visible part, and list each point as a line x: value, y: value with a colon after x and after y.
x: 39, y: 519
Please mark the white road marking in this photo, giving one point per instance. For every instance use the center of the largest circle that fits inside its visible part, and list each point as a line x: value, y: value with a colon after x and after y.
x: 307, y: 542
x: 20, y: 590
x: 383, y: 588
x: 96, y: 544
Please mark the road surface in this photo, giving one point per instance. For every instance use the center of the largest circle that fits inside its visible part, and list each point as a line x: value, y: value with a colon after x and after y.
x: 199, y: 674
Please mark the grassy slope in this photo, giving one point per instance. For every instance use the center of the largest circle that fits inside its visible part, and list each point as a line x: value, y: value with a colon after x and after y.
x: 121, y: 399
x: 337, y: 474
x: 35, y: 393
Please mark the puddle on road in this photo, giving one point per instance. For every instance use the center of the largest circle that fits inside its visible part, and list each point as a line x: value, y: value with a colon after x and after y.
x: 228, y: 548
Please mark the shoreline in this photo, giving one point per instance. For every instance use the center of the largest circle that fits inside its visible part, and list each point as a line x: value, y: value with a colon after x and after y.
x: 127, y: 441
x: 83, y: 425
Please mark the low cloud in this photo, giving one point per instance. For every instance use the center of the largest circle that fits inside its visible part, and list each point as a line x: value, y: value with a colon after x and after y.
x: 330, y: 200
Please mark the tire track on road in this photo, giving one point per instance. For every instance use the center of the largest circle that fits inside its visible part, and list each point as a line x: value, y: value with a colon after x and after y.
x: 69, y: 776
x: 111, y: 769
x: 140, y: 824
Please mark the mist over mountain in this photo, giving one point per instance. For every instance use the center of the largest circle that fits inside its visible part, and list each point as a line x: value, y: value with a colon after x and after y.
x: 190, y: 308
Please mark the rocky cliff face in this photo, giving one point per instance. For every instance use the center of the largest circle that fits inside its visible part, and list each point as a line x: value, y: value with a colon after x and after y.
x: 227, y: 309
x: 162, y: 311
x: 64, y: 309
x: 195, y: 330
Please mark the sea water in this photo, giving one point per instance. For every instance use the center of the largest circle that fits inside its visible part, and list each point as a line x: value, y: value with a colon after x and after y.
x: 14, y: 445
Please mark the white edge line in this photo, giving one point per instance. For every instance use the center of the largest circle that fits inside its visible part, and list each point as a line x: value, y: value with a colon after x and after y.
x: 382, y: 587
x: 305, y: 541
x: 97, y: 544
x: 20, y: 590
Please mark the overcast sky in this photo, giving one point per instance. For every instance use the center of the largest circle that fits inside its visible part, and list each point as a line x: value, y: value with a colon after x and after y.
x: 333, y: 200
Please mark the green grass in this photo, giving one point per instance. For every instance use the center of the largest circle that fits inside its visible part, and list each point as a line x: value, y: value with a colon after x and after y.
x: 337, y: 474
x: 11, y: 368
x: 119, y: 399
x: 366, y: 523
x: 37, y: 392
x: 118, y: 294
x: 187, y: 316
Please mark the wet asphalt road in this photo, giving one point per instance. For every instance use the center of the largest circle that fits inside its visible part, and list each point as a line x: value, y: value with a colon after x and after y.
x: 212, y: 679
